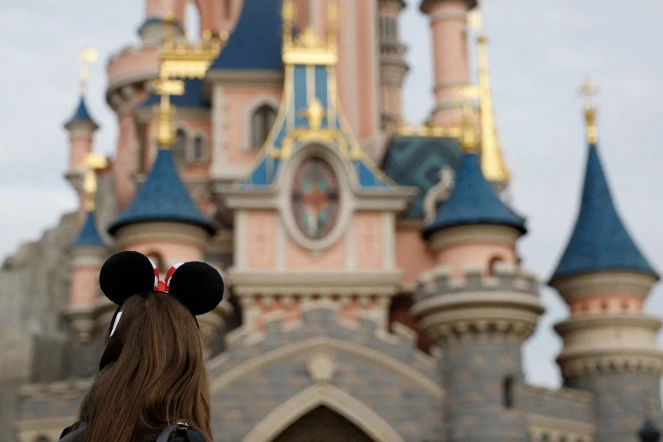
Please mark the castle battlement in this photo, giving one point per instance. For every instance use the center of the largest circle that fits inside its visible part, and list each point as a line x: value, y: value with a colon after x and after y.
x: 505, y: 278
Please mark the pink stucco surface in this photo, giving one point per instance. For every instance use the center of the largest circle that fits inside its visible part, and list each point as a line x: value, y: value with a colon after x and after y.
x: 298, y: 258
x: 84, y: 286
x: 462, y: 255
x: 369, y: 237
x: 412, y: 255
x: 261, y: 241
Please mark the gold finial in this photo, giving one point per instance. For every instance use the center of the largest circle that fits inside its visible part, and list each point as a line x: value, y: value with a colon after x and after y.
x: 589, y: 91
x: 92, y: 163
x: 492, y: 160
x: 87, y: 56
x: 315, y: 113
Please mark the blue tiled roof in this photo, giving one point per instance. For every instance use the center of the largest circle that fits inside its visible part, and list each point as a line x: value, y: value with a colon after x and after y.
x: 599, y: 241
x: 416, y: 162
x: 81, y: 114
x: 89, y: 235
x: 473, y: 201
x: 257, y: 40
x: 163, y: 197
x: 193, y: 97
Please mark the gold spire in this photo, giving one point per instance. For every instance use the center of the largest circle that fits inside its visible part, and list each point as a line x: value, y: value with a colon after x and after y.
x: 92, y: 163
x: 589, y: 91
x: 179, y: 60
x: 87, y: 56
x: 309, y: 48
x: 492, y: 161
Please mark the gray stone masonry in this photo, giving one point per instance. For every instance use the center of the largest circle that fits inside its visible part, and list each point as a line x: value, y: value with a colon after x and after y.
x: 622, y: 400
x: 565, y: 403
x: 473, y: 373
x: 240, y: 405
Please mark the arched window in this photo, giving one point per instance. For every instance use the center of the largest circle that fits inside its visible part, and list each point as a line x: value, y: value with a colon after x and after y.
x: 199, y: 152
x: 494, y: 261
x: 262, y: 121
x: 181, y: 140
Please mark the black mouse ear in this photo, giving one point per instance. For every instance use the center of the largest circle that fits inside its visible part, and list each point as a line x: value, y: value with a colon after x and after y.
x: 125, y: 274
x: 198, y: 286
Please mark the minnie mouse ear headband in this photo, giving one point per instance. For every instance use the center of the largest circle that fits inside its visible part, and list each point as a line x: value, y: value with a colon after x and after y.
x: 196, y: 285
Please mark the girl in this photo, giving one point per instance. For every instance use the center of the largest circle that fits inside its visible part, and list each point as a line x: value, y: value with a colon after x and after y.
x: 152, y: 385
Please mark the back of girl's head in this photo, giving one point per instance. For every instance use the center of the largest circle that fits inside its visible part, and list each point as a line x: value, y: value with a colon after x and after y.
x: 152, y: 370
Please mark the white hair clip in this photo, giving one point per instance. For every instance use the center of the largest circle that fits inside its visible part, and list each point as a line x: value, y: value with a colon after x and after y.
x: 117, y: 320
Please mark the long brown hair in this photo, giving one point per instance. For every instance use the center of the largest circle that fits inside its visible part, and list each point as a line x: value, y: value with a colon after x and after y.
x: 152, y: 373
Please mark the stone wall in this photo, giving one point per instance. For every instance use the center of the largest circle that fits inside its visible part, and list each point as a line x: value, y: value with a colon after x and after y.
x: 565, y: 403
x: 622, y: 400
x: 262, y: 371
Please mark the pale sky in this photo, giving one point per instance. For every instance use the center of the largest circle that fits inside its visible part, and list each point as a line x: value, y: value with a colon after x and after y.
x: 540, y: 53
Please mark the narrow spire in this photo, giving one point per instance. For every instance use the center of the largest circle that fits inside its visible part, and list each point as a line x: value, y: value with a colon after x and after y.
x: 87, y: 56
x: 589, y: 91
x: 492, y: 160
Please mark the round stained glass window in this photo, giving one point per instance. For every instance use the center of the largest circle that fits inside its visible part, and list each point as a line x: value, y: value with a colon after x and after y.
x: 315, y: 198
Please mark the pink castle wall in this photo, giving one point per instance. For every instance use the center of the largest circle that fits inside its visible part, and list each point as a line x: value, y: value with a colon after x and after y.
x: 462, y: 255
x: 260, y: 239
x: 298, y: 258
x: 84, y: 286
x: 412, y: 254
x: 171, y: 252
x: 239, y: 100
x: 369, y: 235
x: 608, y: 303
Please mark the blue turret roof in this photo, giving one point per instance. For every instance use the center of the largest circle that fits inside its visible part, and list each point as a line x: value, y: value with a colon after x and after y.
x: 599, y: 241
x: 473, y: 201
x: 257, y: 40
x: 89, y: 235
x: 163, y: 197
x: 81, y: 114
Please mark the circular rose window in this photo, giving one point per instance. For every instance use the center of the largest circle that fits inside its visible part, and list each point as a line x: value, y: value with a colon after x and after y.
x: 315, y: 198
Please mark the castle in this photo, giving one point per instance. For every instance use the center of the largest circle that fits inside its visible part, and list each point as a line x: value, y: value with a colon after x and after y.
x: 375, y: 291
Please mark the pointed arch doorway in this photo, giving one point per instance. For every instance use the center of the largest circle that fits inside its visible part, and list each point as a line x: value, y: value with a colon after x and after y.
x: 323, y: 425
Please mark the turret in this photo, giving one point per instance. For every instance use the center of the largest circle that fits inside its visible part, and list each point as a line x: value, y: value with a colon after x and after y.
x: 477, y: 304
x: 393, y: 66
x: 610, y: 345
x: 87, y: 256
x: 448, y: 21
x: 81, y: 127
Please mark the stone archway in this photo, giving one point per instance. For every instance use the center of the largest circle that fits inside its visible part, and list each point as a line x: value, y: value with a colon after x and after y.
x: 295, y: 414
x: 323, y: 425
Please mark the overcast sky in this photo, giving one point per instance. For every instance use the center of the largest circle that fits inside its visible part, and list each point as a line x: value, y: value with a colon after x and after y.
x: 540, y: 53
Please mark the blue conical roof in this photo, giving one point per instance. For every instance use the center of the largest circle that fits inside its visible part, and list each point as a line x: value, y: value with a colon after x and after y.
x: 473, y: 201
x: 599, y: 242
x: 163, y: 197
x: 257, y: 40
x: 81, y: 114
x: 89, y: 235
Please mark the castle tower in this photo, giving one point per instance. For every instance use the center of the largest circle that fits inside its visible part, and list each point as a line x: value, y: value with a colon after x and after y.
x: 393, y: 66
x: 477, y: 305
x: 81, y: 127
x: 88, y: 252
x: 610, y: 345
x: 448, y: 20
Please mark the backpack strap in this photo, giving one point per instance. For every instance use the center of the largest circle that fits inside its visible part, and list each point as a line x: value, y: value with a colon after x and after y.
x: 181, y: 428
